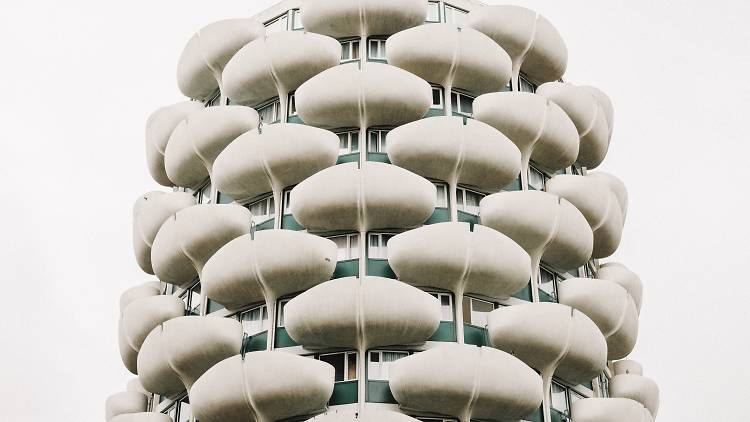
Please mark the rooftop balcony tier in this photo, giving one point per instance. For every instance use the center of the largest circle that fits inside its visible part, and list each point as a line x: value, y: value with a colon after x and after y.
x: 123, y: 403
x: 621, y: 275
x: 265, y: 387
x: 376, y: 196
x: 451, y: 256
x: 189, y: 238
x: 610, y: 410
x: 197, y: 141
x: 365, y: 416
x: 273, y: 264
x: 149, y: 213
x: 142, y: 417
x: 475, y: 383
x: 208, y: 51
x: 143, y: 315
x: 455, y: 150
x: 534, y: 45
x: 281, y: 155
x: 159, y: 128
x: 347, y: 18
x: 361, y: 314
x: 451, y: 56
x: 611, y: 308
x: 176, y: 353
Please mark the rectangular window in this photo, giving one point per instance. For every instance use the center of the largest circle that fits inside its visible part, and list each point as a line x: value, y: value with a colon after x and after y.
x: 462, y: 103
x: 548, y: 282
x: 292, y: 105
x: 277, y: 24
x: 184, y: 412
x: 280, y: 312
x: 192, y: 298
x: 262, y: 210
x: 297, y: 20
x: 379, y: 364
x: 560, y: 398
x: 442, y: 195
x: 476, y: 311
x: 454, y: 15
x: 525, y: 85
x: 348, y: 246
x: 287, y: 201
x: 437, y: 97
x: 203, y: 195
x: 377, y: 141
x: 348, y: 142
x: 349, y: 51
x: 603, y: 386
x: 433, y: 12
x: 468, y: 201
x: 254, y: 321
x: 344, y: 365
x: 537, y: 179
x: 215, y: 100
x: 376, y: 49
x: 446, y: 305
x: 378, y: 247
x: 269, y: 113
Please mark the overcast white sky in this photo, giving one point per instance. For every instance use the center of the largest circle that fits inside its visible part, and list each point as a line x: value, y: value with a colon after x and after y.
x: 81, y: 77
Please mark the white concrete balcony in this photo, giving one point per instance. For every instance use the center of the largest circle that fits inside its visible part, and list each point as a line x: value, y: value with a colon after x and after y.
x: 345, y: 18
x: 125, y: 402
x: 628, y: 382
x: 159, y: 128
x: 610, y: 410
x: 621, y: 275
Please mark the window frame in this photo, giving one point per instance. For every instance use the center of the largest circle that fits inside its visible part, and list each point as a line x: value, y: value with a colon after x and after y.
x: 349, y: 134
x: 349, y: 46
x: 280, y: 303
x: 446, y: 197
x: 295, y: 16
x: 187, y: 297
x: 350, y: 245
x: 441, y: 93
x: 263, y: 309
x: 456, y: 105
x: 461, y: 199
x: 380, y: 361
x: 269, y: 23
x: 380, y: 43
x: 346, y: 355
x: 438, y: 296
x: 471, y: 300
x: 555, y: 280
x: 437, y: 8
x: 270, y: 207
x: 382, y: 140
x: 545, y: 177
x: 291, y: 105
x: 275, y: 103
x: 381, y: 244
x: 566, y: 394
x: 456, y: 10
x: 524, y: 82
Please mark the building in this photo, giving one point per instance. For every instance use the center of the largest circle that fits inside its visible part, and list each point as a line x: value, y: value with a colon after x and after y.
x: 381, y: 210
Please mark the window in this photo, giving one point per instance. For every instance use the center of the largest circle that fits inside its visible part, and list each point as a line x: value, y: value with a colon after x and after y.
x: 344, y: 365
x: 297, y: 20
x: 280, y: 312
x: 525, y: 85
x: 223, y: 198
x: 433, y: 11
x: 348, y: 246
x: 454, y: 15
x: 603, y: 386
x: 277, y: 25
x: 462, y: 103
x: 287, y: 201
x: 476, y: 310
x: 548, y: 283
x: 169, y: 289
x: 559, y: 402
x: 185, y: 413
x: 215, y: 100
x: 468, y: 201
x: 203, y: 195
x: 378, y: 248
x: 379, y: 364
x: 442, y: 195
x: 376, y: 49
x: 172, y: 412
x: 446, y: 305
x: 349, y: 51
x: 262, y: 210
x: 437, y: 97
x: 377, y: 141
x: 348, y: 142
x: 574, y: 397
x: 269, y: 113
x: 192, y: 299
x: 537, y: 179
x: 254, y: 321
x: 292, y: 106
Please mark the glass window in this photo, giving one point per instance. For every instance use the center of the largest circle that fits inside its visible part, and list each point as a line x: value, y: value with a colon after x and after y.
x: 378, y: 248
x: 262, y: 210
x: 255, y: 320
x: 446, y: 305
x: 437, y: 97
x: 348, y: 246
x: 433, y: 11
x: 344, y: 365
x: 468, y: 201
x: 525, y: 85
x: 378, y: 367
x: 574, y: 397
x: 287, y: 201
x: 377, y: 49
x: 269, y: 113
x: 378, y: 141
x: 203, y: 195
x: 462, y: 103
x: 277, y: 25
x: 280, y: 312
x: 454, y: 15
x: 559, y: 398
x: 292, y: 105
x: 476, y: 310
x: 349, y: 50
x: 215, y: 100
x: 172, y: 411
x: 185, y: 412
x: 547, y: 282
x: 297, y: 19
x: 537, y: 179
x: 603, y: 386
x: 348, y: 142
x: 442, y: 195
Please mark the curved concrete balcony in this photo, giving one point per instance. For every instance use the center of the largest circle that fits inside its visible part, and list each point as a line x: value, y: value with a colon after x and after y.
x: 548, y: 227
x: 176, y: 353
x: 629, y: 383
x: 159, y: 128
x: 135, y: 385
x: 616, y: 186
x: 621, y: 275
x: 365, y: 416
x: 208, y: 51
x: 534, y: 45
x: 346, y: 18
x: 188, y: 239
x: 148, y: 289
x: 447, y: 148
x: 610, y: 410
x: 587, y: 114
x: 265, y: 387
x: 452, y: 257
x: 274, y: 264
x: 128, y: 355
x: 376, y: 196
x: 275, y: 65
x: 555, y: 339
x: 377, y: 95
x: 281, y: 155
x: 540, y: 128
x: 123, y: 403
x: 143, y: 315
x: 142, y: 417
x: 598, y: 203
x: 451, y: 56
x: 474, y: 383
x: 197, y: 141
x: 606, y: 103
x: 149, y: 213
x: 373, y: 312
x: 611, y: 308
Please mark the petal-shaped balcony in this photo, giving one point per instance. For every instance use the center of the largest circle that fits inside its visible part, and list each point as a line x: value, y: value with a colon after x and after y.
x: 587, y: 114
x: 361, y: 314
x: 534, y: 45
x: 149, y: 213
x: 365, y: 416
x: 265, y: 386
x: 125, y: 402
x: 189, y: 238
x: 548, y: 227
x: 376, y: 196
x: 540, y: 128
x: 617, y: 187
x: 275, y: 65
x: 143, y: 315
x: 208, y: 51
x: 629, y: 382
x: 280, y: 155
x: 148, y: 289
x: 272, y: 264
x: 376, y: 95
x: 142, y: 417
x: 128, y: 354
x: 610, y: 410
x: 475, y: 383
x: 611, y: 308
x: 159, y: 128
x: 621, y: 275
x: 606, y: 103
x: 198, y: 140
x: 451, y: 56
x: 346, y: 18
x: 598, y: 203
x: 176, y: 353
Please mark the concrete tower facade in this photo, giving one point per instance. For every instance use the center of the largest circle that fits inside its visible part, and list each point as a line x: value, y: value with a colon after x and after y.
x: 381, y: 210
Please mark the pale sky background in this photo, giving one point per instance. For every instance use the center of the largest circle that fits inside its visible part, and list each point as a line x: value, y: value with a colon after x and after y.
x: 81, y: 77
